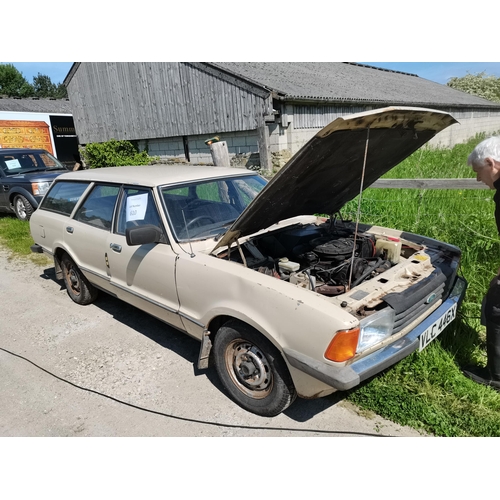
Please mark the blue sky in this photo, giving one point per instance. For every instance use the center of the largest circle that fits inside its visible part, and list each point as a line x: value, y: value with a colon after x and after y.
x: 439, y: 72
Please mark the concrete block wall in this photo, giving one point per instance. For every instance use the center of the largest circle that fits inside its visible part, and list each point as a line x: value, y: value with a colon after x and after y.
x: 285, y: 141
x: 470, y: 124
x: 467, y: 128
x: 172, y: 149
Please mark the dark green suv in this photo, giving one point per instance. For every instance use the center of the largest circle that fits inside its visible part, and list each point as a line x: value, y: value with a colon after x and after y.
x: 25, y: 176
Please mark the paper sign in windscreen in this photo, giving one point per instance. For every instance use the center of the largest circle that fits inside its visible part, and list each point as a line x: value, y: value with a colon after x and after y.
x: 12, y: 164
x: 136, y: 206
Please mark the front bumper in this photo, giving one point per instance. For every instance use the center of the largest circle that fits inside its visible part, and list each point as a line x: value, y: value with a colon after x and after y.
x: 347, y: 377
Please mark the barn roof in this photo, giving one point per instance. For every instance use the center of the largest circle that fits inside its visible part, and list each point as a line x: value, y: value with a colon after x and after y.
x: 349, y: 82
x: 34, y: 105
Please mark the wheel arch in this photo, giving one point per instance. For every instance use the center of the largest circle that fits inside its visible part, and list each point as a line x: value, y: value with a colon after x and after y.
x: 58, y: 255
x: 218, y: 321
x: 16, y: 191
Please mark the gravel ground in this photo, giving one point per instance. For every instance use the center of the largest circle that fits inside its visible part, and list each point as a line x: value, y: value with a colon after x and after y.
x: 59, y: 361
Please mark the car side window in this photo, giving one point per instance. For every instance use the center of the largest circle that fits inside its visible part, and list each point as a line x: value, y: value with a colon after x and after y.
x: 97, y: 210
x: 137, y: 208
x: 63, y: 196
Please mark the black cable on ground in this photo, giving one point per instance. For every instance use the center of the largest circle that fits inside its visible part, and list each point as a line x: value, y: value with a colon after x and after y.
x: 186, y: 419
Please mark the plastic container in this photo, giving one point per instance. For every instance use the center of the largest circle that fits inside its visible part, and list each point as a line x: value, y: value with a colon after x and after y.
x: 303, y: 280
x: 288, y: 266
x: 390, y: 250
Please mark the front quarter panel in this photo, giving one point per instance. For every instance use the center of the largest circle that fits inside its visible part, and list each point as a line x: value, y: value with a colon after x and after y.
x: 291, y: 317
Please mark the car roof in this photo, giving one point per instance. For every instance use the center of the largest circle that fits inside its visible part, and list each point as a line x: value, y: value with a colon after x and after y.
x: 155, y: 175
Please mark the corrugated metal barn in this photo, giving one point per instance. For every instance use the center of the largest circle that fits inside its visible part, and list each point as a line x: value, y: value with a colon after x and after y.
x: 264, y: 111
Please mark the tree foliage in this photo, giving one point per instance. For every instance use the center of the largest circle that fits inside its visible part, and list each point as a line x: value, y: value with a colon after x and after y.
x: 480, y: 84
x: 114, y: 153
x: 13, y: 84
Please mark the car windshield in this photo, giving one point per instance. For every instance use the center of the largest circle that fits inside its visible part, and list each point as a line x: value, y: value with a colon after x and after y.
x: 29, y: 161
x: 205, y: 209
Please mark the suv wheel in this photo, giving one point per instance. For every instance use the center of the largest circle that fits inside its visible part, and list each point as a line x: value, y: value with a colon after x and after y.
x: 22, y: 207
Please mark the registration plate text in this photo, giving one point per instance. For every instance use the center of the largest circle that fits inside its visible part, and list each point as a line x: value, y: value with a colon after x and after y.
x: 437, y: 327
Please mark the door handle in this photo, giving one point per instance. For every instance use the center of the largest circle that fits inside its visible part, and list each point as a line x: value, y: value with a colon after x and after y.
x: 115, y: 247
x: 69, y: 229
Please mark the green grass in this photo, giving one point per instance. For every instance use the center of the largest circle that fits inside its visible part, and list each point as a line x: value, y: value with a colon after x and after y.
x: 427, y: 390
x: 15, y: 236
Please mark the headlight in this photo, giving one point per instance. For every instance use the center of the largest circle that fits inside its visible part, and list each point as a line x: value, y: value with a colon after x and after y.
x: 40, y: 188
x: 375, y: 328
x: 347, y: 343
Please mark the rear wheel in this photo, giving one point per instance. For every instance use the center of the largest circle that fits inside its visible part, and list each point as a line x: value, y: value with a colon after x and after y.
x: 22, y: 207
x: 252, y: 370
x: 78, y: 286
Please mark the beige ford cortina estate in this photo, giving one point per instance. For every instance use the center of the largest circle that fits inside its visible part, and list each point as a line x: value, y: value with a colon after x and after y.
x: 286, y: 297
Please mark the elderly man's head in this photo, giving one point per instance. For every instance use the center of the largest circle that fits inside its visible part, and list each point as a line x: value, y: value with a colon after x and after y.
x: 485, y: 161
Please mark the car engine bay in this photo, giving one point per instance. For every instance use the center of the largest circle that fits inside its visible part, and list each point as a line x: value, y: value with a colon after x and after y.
x: 329, y: 258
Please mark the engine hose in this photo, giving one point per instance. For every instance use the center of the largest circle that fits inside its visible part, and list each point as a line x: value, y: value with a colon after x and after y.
x: 368, y: 271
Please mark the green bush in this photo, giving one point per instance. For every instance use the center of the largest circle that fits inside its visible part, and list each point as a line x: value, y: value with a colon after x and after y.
x: 114, y: 153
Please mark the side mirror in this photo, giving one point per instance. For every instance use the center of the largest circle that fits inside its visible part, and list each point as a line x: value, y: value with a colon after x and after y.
x: 142, y: 235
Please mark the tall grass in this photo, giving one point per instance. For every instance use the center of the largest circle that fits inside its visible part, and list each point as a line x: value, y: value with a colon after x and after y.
x: 427, y: 390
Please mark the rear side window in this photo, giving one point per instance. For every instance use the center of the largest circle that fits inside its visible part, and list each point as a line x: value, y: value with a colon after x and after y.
x: 97, y: 210
x: 63, y: 197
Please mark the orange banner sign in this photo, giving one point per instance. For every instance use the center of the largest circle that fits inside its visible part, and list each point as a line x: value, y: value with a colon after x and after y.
x: 25, y: 134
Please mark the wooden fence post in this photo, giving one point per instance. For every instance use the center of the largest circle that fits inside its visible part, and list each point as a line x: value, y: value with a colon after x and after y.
x: 220, y: 154
x: 264, y: 153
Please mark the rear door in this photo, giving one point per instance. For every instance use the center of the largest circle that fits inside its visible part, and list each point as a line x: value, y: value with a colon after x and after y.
x: 86, y: 235
x: 143, y: 275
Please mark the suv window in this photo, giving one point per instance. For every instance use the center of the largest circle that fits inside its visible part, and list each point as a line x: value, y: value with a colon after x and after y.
x: 98, y: 208
x: 63, y: 196
x: 137, y: 209
x: 22, y: 163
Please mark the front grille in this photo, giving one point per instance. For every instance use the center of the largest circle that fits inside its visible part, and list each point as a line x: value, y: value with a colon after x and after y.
x: 413, y: 302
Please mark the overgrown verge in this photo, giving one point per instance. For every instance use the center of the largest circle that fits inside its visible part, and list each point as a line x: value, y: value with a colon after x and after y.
x: 114, y: 153
x: 427, y: 390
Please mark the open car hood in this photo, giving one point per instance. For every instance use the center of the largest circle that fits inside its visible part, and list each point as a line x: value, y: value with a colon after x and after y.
x: 327, y: 172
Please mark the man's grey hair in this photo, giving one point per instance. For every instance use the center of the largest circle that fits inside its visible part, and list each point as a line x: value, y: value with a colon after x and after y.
x: 489, y: 148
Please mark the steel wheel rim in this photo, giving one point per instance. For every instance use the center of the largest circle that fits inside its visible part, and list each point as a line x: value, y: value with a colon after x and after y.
x: 249, y: 369
x: 73, y: 279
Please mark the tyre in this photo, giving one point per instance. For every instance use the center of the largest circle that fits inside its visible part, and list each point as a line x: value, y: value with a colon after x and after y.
x: 22, y: 207
x: 252, y: 370
x: 77, y: 285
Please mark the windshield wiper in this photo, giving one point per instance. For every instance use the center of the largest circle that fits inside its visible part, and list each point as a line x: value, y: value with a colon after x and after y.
x: 31, y: 171
x: 224, y: 226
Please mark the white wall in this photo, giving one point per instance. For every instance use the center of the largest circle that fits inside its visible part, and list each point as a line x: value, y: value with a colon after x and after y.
x: 39, y: 117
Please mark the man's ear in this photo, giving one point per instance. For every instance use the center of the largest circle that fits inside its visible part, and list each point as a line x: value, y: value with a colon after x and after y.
x: 494, y: 165
x: 489, y: 162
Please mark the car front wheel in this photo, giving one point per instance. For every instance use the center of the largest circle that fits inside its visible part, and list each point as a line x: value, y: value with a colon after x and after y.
x: 252, y: 370
x: 78, y: 286
x: 22, y: 207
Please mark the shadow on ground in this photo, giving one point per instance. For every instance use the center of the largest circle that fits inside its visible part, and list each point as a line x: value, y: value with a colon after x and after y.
x: 183, y: 345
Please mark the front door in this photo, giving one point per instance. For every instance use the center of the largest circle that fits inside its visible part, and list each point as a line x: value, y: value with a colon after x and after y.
x: 143, y: 275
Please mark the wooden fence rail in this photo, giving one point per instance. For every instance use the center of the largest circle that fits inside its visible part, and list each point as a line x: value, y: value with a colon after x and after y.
x: 428, y: 184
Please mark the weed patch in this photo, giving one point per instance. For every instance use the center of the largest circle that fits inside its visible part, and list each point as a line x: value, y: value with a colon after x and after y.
x: 427, y: 390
